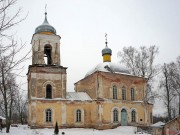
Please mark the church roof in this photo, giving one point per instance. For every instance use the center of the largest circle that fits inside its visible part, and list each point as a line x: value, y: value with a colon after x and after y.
x: 77, y: 96
x: 109, y: 67
x: 45, y: 27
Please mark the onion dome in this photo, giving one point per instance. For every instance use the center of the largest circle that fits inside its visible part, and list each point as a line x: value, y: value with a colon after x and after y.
x: 107, y: 65
x: 106, y: 50
x: 45, y: 28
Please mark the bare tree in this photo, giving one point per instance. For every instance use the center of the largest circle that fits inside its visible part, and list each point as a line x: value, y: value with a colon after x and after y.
x: 175, y: 80
x: 141, y: 63
x: 166, y: 85
x: 9, y: 60
x: 21, y: 106
x: 7, y: 89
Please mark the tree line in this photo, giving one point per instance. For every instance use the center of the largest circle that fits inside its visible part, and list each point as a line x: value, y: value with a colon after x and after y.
x: 140, y: 62
x: 11, y: 99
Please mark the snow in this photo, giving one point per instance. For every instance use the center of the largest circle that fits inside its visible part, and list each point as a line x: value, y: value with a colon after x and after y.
x: 158, y: 124
x: 139, y: 101
x: 109, y: 67
x: 2, y: 118
x: 24, y: 130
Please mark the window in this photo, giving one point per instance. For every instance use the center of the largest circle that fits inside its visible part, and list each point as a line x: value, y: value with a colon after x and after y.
x: 115, y: 115
x: 132, y: 94
x: 78, y: 116
x: 48, y: 91
x: 151, y: 117
x: 123, y: 93
x: 48, y: 115
x: 114, y: 92
x: 47, y: 54
x: 133, y: 116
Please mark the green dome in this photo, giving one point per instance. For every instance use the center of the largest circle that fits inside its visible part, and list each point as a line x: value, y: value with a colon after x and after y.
x: 106, y: 50
x: 45, y: 27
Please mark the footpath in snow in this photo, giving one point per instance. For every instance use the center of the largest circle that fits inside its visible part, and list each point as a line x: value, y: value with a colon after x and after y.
x: 24, y: 130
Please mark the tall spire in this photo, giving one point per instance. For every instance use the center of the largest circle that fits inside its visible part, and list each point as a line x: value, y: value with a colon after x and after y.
x: 106, y: 39
x: 46, y: 9
x: 45, y: 20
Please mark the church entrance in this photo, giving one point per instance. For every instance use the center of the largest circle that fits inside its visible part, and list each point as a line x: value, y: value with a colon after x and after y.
x: 123, y: 117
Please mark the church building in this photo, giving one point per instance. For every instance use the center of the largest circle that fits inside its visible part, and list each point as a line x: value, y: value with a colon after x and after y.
x: 108, y: 96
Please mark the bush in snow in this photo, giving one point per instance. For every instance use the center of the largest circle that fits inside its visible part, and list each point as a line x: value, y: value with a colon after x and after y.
x: 56, y: 130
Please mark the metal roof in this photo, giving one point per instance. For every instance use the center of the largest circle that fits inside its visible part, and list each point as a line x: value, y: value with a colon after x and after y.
x: 78, y: 96
x: 106, y: 50
x: 45, y: 27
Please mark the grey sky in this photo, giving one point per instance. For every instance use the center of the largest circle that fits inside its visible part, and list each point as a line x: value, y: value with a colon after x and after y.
x: 82, y: 25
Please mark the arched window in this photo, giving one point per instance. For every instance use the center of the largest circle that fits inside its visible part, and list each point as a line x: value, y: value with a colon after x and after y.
x: 151, y: 117
x: 123, y: 93
x: 133, y: 116
x: 114, y: 92
x: 48, y: 115
x: 132, y: 94
x: 78, y: 116
x: 115, y: 115
x: 47, y: 54
x: 48, y: 91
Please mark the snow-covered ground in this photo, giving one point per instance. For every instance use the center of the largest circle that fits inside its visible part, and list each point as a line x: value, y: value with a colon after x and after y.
x: 24, y: 130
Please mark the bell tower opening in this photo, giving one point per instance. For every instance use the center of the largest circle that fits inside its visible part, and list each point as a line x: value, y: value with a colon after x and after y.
x: 47, y: 54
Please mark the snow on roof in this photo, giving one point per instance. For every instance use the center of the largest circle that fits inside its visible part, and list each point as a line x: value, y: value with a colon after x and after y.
x: 158, y: 124
x: 109, y: 67
x: 139, y: 101
x: 34, y: 98
x: 2, y: 118
x: 78, y: 96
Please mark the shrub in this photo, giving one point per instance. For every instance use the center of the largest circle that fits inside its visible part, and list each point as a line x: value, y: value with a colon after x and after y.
x: 56, y: 130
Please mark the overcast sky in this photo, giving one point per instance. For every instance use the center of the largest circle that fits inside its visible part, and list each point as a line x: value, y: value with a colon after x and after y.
x: 82, y: 25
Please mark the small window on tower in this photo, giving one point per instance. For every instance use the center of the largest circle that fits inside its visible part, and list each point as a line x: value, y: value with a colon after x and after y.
x: 48, y: 91
x: 47, y: 54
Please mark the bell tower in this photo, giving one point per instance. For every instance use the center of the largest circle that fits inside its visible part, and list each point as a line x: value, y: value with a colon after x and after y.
x: 46, y: 77
x: 45, y: 45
